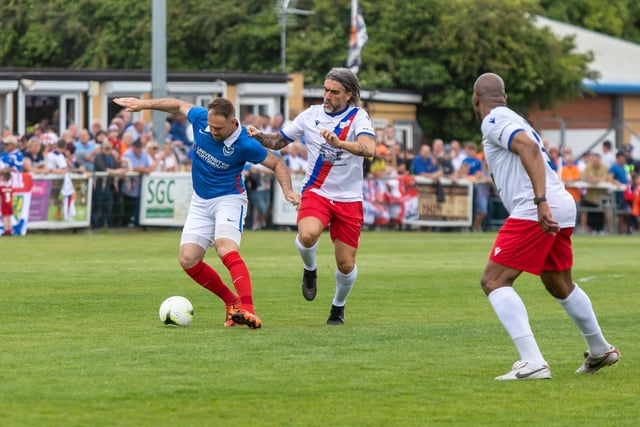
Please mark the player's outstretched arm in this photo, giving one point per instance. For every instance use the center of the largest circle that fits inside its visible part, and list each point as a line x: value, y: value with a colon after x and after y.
x: 283, y: 176
x: 168, y: 105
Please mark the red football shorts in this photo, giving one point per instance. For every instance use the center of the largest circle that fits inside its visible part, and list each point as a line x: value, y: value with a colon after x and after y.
x: 344, y: 218
x: 7, y: 200
x: 523, y: 245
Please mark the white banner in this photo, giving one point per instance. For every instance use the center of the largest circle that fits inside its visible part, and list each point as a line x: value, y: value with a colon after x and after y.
x: 283, y: 212
x: 165, y: 198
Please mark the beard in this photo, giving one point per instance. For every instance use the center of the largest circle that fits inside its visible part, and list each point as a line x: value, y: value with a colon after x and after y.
x: 331, y: 108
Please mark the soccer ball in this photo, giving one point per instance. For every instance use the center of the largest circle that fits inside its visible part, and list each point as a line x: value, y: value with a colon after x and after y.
x: 176, y: 311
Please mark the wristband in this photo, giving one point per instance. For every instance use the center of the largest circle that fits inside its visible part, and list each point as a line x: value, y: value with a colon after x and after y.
x: 538, y: 200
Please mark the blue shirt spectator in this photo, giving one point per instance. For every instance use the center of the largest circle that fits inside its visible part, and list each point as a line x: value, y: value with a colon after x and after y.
x: 474, y: 164
x: 12, y: 157
x: 618, y: 171
x: 138, y: 161
x: 178, y: 129
x: 424, y: 163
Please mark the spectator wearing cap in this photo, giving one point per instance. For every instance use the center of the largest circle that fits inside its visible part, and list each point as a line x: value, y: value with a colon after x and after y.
x: 12, y: 157
x: 136, y: 160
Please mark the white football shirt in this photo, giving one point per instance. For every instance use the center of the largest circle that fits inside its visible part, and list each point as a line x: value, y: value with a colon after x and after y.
x: 509, y: 175
x: 332, y: 173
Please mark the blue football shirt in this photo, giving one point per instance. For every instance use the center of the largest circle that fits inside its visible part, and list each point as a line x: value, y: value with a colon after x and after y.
x: 216, y: 168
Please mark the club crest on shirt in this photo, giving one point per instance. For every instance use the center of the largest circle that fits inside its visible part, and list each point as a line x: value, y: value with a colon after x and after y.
x: 227, y: 151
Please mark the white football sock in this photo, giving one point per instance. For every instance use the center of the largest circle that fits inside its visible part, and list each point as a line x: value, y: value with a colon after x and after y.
x: 578, y: 307
x: 344, y: 283
x: 308, y: 255
x: 513, y: 314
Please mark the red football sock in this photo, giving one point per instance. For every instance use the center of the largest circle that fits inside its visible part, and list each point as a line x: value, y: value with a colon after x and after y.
x: 241, y: 279
x: 209, y: 279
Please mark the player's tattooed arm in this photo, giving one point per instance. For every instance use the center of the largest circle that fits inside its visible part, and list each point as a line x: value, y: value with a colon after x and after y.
x: 273, y: 141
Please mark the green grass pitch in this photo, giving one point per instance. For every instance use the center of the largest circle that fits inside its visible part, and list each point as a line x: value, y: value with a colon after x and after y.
x: 81, y: 343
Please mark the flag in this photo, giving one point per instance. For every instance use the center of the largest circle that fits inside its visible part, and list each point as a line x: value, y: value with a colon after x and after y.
x: 357, y: 39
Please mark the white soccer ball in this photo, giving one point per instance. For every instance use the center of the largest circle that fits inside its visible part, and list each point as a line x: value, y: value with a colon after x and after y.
x: 176, y: 311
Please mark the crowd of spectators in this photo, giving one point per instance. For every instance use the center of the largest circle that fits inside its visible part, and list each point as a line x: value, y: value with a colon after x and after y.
x: 435, y: 160
x: 118, y: 152
x: 114, y: 153
x: 603, y: 185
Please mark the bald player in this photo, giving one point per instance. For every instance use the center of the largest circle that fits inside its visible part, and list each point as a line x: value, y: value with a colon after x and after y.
x: 535, y: 238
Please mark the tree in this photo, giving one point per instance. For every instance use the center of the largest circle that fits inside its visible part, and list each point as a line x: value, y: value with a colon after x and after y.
x: 617, y: 18
x: 434, y: 47
x: 447, y: 44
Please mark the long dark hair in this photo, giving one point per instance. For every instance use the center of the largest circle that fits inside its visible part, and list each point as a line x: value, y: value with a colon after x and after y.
x: 346, y: 78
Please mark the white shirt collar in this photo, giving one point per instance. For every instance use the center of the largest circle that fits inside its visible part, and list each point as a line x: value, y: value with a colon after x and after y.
x: 231, y: 138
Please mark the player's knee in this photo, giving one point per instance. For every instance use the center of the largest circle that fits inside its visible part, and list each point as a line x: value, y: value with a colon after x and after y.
x: 185, y: 262
x: 488, y: 284
x: 307, y: 239
x: 483, y: 283
x: 188, y: 259
x: 345, y: 267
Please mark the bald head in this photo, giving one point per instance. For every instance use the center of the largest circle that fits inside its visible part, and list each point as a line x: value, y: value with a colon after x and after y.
x: 490, y: 85
x: 488, y: 92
